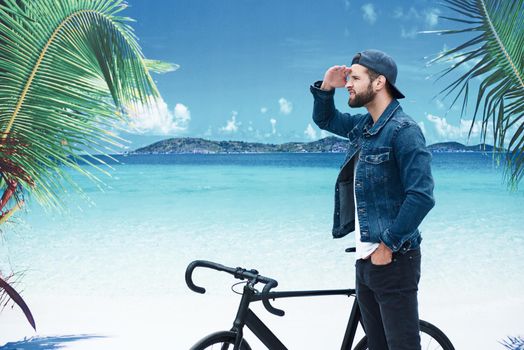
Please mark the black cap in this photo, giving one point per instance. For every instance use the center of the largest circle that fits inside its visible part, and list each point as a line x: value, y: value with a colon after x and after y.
x: 381, y: 63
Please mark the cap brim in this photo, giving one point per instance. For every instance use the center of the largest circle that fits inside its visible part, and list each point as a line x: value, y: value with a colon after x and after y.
x: 396, y: 92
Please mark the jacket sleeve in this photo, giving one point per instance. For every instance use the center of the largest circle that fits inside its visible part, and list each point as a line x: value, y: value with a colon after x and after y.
x: 414, y: 162
x: 326, y: 116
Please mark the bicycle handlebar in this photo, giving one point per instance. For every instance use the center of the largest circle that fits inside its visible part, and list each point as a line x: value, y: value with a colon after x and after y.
x: 239, y: 273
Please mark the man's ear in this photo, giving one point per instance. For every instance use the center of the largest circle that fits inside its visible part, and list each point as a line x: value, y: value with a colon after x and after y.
x: 380, y: 82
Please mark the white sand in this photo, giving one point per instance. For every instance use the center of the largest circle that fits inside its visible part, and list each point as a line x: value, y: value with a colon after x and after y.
x: 176, y: 322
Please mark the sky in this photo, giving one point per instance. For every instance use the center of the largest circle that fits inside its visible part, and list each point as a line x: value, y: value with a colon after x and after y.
x: 246, y: 65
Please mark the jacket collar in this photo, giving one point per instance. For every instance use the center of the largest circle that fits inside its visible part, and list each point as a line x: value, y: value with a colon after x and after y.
x: 372, y: 129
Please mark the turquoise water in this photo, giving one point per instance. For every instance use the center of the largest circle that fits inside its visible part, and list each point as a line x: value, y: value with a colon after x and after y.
x: 266, y: 211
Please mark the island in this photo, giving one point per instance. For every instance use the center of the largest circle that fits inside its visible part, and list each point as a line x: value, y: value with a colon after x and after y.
x: 331, y: 144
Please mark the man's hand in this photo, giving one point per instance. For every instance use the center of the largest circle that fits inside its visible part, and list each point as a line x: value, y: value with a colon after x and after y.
x: 335, y: 77
x: 382, y: 255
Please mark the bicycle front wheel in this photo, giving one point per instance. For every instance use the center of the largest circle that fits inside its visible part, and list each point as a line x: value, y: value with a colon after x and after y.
x: 431, y: 338
x: 220, y: 341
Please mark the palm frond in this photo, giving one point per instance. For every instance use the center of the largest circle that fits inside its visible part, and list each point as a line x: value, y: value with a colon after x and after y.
x: 496, y: 56
x: 9, y: 293
x: 514, y: 343
x: 69, y: 71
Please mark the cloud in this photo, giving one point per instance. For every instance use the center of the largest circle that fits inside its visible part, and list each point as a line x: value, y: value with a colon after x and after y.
x: 431, y: 17
x: 440, y: 104
x: 324, y: 133
x: 408, y: 34
x: 448, y: 131
x: 411, y: 14
x: 347, y: 5
x: 232, y: 124
x: 273, y: 125
x: 427, y: 18
x: 368, y: 13
x: 398, y: 13
x: 263, y: 110
x: 157, y: 119
x: 310, y: 132
x: 286, y: 107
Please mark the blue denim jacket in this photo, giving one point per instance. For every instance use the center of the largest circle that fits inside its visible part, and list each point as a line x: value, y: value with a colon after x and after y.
x: 393, y: 183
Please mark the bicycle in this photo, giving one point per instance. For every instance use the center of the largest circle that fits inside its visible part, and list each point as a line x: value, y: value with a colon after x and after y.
x: 431, y: 337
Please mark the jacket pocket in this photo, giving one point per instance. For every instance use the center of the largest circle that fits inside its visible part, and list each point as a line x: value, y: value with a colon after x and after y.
x: 377, y: 155
x: 377, y: 164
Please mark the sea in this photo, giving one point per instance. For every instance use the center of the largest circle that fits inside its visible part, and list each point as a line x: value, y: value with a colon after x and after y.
x: 136, y: 234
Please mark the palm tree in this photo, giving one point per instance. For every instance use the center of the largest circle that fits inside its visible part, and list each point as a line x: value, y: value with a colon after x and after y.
x: 495, y: 54
x: 69, y: 72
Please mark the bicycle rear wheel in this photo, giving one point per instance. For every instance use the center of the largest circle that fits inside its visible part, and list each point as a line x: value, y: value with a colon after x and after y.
x: 220, y: 341
x: 431, y: 338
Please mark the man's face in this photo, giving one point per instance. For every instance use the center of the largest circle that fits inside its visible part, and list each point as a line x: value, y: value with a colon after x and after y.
x: 359, y: 87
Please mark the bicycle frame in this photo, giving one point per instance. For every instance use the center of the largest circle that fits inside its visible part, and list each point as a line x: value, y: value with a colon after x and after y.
x: 246, y: 317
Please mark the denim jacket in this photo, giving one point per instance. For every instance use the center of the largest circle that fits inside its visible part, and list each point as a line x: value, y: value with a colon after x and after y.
x: 393, y: 182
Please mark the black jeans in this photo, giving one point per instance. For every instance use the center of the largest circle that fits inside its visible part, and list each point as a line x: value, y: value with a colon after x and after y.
x: 387, y: 297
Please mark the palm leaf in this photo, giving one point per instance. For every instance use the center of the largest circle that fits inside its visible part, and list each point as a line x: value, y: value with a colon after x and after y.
x: 13, y: 295
x: 496, y: 56
x: 69, y: 71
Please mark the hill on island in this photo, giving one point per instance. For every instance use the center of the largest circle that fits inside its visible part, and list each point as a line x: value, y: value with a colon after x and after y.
x: 329, y: 144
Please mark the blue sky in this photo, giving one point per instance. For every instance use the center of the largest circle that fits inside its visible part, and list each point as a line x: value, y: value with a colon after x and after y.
x: 246, y: 65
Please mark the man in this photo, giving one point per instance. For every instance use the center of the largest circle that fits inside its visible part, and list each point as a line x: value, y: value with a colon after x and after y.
x: 383, y: 192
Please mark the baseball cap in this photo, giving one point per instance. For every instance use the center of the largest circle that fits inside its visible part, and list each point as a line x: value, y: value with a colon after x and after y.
x: 381, y: 63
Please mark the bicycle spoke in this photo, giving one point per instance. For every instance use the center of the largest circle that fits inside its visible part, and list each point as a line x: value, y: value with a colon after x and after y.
x: 428, y: 343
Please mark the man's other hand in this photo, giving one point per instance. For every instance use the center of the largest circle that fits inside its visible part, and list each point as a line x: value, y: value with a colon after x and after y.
x: 382, y: 255
x: 335, y: 77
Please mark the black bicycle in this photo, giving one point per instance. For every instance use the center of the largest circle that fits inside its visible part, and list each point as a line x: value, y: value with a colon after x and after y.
x: 432, y: 338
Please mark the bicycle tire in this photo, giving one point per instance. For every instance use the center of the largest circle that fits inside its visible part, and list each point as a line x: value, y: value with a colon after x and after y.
x: 223, y: 340
x: 431, y: 338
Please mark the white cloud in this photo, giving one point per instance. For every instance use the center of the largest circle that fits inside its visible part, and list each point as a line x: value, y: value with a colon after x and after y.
x: 273, y: 125
x: 263, y: 110
x: 398, y: 13
x: 431, y: 17
x: 368, y: 13
x: 347, y: 5
x: 310, y: 132
x: 411, y: 14
x: 448, y: 131
x: 408, y: 34
x: 440, y: 104
x: 157, y: 119
x: 324, y: 133
x: 232, y: 124
x: 286, y: 107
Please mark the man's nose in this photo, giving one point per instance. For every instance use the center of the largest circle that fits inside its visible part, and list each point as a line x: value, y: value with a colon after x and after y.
x: 348, y: 84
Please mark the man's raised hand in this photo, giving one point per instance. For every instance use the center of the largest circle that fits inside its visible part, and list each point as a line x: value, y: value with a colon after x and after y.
x: 335, y: 77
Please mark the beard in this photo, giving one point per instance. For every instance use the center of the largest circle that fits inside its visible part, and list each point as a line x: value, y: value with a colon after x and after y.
x: 362, y: 99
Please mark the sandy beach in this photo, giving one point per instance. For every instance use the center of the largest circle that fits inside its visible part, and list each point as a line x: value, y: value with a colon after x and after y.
x: 176, y: 322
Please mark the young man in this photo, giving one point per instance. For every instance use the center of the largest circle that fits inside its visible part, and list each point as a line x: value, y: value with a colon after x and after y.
x: 383, y: 192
